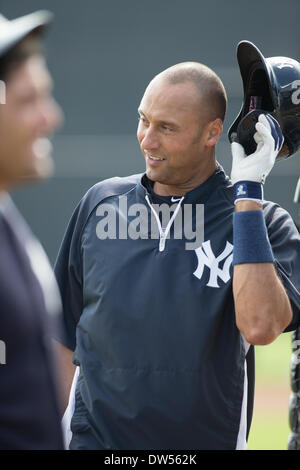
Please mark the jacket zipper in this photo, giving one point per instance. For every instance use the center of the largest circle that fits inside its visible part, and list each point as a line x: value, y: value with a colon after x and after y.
x: 163, y: 232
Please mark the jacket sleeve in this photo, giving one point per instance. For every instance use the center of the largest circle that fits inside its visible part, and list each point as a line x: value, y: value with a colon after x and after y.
x: 68, y: 274
x: 285, y: 241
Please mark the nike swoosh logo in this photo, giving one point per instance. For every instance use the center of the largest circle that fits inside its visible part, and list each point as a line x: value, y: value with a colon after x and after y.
x: 173, y: 199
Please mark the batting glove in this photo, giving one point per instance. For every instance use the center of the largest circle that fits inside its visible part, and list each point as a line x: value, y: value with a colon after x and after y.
x: 248, y: 173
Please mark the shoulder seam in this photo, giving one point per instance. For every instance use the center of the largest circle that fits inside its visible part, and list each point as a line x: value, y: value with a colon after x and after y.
x: 94, y: 207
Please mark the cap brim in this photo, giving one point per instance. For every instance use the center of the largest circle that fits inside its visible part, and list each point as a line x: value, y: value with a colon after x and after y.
x: 247, y: 55
x: 12, y: 32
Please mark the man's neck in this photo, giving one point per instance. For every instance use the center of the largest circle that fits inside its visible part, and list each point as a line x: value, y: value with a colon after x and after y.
x: 183, y: 188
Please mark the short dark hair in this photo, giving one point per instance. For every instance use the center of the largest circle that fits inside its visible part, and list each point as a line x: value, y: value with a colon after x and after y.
x: 30, y: 46
x: 210, y: 86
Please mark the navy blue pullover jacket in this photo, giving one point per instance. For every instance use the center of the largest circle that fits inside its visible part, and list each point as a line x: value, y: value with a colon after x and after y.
x: 152, y: 324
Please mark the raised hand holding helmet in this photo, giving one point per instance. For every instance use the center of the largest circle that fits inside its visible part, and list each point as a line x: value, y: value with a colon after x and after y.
x: 248, y: 173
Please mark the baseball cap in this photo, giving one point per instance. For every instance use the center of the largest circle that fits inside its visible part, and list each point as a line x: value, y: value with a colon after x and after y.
x: 13, y: 31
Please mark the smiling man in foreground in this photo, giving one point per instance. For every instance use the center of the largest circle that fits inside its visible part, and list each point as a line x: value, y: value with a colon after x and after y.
x: 162, y: 335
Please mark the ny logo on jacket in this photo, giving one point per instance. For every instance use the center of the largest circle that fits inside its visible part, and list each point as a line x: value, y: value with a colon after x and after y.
x: 207, y: 258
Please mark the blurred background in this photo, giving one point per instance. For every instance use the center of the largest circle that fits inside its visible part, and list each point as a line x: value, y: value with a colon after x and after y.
x: 102, y: 54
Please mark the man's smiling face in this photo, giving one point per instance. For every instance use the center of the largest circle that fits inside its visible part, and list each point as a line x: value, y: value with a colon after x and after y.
x: 29, y: 116
x: 171, y: 133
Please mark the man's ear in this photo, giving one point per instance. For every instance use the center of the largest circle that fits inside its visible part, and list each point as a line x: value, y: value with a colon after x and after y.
x: 214, y: 131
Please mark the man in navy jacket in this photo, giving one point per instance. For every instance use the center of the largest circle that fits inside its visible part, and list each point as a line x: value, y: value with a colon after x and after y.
x: 169, y: 278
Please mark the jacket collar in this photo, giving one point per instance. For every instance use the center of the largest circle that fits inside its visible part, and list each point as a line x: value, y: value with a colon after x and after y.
x: 200, y: 194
